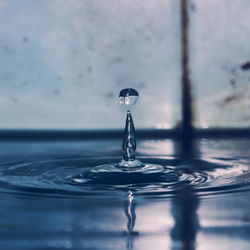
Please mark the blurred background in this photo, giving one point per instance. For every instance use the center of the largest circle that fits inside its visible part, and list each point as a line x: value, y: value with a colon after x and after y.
x: 63, y: 63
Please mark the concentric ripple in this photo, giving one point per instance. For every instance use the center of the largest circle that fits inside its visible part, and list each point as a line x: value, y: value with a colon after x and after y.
x: 80, y: 176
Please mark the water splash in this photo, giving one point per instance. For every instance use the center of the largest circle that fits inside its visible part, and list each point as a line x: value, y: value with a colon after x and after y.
x: 129, y: 141
x: 108, y: 176
x: 129, y: 97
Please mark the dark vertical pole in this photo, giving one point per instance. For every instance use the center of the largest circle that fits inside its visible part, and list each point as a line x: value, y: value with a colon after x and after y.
x: 187, y: 116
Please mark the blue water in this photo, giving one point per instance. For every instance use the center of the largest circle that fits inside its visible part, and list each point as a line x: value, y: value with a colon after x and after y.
x: 52, y: 199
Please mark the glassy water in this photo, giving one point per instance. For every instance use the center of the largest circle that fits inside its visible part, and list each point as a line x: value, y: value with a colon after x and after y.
x: 54, y: 197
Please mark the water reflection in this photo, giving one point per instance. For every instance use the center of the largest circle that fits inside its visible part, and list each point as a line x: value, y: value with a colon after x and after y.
x: 130, y: 211
x: 184, y: 211
x: 181, y: 236
x: 184, y: 205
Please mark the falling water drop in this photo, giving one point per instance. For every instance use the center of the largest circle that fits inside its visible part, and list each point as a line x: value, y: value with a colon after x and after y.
x: 129, y: 97
x: 129, y: 164
x: 129, y: 170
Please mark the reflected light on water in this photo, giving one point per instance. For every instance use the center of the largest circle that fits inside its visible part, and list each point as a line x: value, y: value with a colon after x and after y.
x: 163, y: 125
x: 153, y: 147
x: 153, y: 224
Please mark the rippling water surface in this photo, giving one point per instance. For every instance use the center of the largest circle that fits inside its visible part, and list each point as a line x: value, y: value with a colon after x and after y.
x: 54, y: 196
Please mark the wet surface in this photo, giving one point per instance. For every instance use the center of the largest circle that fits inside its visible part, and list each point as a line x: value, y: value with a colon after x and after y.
x: 199, y: 201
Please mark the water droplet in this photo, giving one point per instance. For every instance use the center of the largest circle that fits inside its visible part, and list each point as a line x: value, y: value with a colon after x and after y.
x: 128, y: 97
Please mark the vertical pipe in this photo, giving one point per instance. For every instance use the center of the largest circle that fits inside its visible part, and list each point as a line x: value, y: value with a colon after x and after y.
x: 187, y: 115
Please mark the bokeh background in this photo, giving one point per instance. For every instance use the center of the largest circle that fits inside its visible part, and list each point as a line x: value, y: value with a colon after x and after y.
x: 63, y: 63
